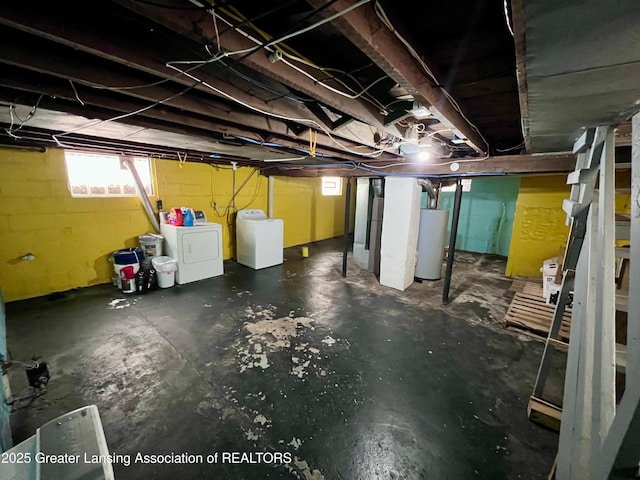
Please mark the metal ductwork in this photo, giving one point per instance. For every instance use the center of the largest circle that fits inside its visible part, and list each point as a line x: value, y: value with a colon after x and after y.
x: 428, y: 187
x: 378, y: 187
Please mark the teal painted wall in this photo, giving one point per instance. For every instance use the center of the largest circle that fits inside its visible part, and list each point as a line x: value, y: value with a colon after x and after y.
x: 486, y: 214
x: 5, y: 427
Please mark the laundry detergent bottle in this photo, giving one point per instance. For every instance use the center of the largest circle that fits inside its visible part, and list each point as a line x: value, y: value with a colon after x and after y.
x: 187, y: 217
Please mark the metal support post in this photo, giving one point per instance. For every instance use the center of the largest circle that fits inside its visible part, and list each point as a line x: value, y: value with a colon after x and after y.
x: 347, y: 214
x: 452, y: 241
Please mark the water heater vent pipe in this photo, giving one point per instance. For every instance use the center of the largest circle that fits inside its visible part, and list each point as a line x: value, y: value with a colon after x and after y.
x: 428, y: 187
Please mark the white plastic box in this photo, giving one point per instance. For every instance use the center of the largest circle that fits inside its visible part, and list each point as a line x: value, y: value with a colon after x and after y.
x: 75, y: 436
x: 549, y: 270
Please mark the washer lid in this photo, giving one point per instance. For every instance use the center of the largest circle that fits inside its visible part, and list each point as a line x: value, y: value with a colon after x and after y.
x: 252, y: 214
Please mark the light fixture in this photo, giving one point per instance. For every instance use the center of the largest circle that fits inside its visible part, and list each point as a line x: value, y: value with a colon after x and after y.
x: 423, y: 155
x: 454, y: 167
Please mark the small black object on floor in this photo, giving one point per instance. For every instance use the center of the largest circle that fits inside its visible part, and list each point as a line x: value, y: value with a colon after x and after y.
x: 354, y: 380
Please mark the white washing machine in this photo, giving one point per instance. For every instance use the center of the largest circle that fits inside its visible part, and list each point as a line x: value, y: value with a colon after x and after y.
x: 198, y: 250
x: 259, y: 240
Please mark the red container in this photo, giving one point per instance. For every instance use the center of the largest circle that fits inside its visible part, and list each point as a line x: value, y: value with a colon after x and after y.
x: 127, y: 279
x: 126, y: 273
x: 175, y: 217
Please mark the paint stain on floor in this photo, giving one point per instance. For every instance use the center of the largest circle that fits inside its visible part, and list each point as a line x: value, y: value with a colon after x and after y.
x: 266, y: 334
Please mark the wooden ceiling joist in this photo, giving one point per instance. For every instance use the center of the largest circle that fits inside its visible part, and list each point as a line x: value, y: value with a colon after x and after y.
x: 496, y: 166
x: 209, y: 116
x: 201, y: 29
x: 363, y: 28
x: 68, y: 30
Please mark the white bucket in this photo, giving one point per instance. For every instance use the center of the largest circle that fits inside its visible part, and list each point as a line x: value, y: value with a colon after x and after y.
x: 151, y: 244
x: 165, y: 268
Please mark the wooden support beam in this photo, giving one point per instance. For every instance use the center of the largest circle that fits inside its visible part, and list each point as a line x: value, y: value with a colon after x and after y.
x: 46, y: 71
x: 344, y: 120
x: 363, y: 27
x: 621, y: 450
x: 166, y: 113
x: 200, y: 27
x: 544, y: 413
x: 400, y: 112
x: 509, y: 164
x: 70, y: 30
x: 604, y: 385
x: 589, y: 401
x: 320, y: 114
x: 633, y: 319
x: 40, y: 141
x: 575, y: 431
x: 623, y: 135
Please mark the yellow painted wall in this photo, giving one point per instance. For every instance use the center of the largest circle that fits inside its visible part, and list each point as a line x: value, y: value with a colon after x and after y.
x: 72, y: 238
x: 309, y: 216
x: 539, y: 229
x: 198, y: 186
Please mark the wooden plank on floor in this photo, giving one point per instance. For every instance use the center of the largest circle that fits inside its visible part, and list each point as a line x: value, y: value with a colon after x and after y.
x: 517, y: 284
x: 544, y: 413
x: 532, y: 288
x: 559, y: 345
x: 552, y: 473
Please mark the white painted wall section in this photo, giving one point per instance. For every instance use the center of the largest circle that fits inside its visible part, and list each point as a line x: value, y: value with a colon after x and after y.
x: 400, y: 225
x: 360, y: 255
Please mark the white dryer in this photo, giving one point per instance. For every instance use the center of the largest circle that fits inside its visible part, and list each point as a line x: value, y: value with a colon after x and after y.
x: 197, y: 249
x: 259, y: 240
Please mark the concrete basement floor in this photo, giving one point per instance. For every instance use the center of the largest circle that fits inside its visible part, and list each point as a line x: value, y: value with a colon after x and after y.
x: 354, y: 380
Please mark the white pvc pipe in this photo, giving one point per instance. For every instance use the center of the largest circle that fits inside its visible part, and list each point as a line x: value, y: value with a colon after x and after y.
x: 271, y: 195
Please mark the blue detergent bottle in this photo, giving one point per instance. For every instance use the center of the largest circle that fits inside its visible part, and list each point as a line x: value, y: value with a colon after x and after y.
x: 187, y: 217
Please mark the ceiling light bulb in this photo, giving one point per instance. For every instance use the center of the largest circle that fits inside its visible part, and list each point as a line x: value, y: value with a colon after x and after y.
x: 423, y: 155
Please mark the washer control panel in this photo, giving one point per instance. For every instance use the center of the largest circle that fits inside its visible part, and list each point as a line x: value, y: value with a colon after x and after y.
x: 252, y: 214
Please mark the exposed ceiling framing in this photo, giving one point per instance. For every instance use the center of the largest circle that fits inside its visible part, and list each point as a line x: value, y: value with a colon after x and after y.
x: 279, y: 85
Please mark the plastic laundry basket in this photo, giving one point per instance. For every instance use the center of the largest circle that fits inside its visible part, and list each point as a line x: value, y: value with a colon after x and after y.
x: 166, y: 271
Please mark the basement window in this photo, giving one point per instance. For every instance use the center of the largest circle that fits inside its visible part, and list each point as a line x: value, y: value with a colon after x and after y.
x: 466, y: 186
x: 99, y: 175
x: 331, y: 186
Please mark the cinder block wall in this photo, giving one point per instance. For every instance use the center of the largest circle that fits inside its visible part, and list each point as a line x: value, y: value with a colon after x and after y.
x: 72, y: 238
x: 486, y: 214
x: 199, y: 186
x: 539, y: 229
x: 309, y: 216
